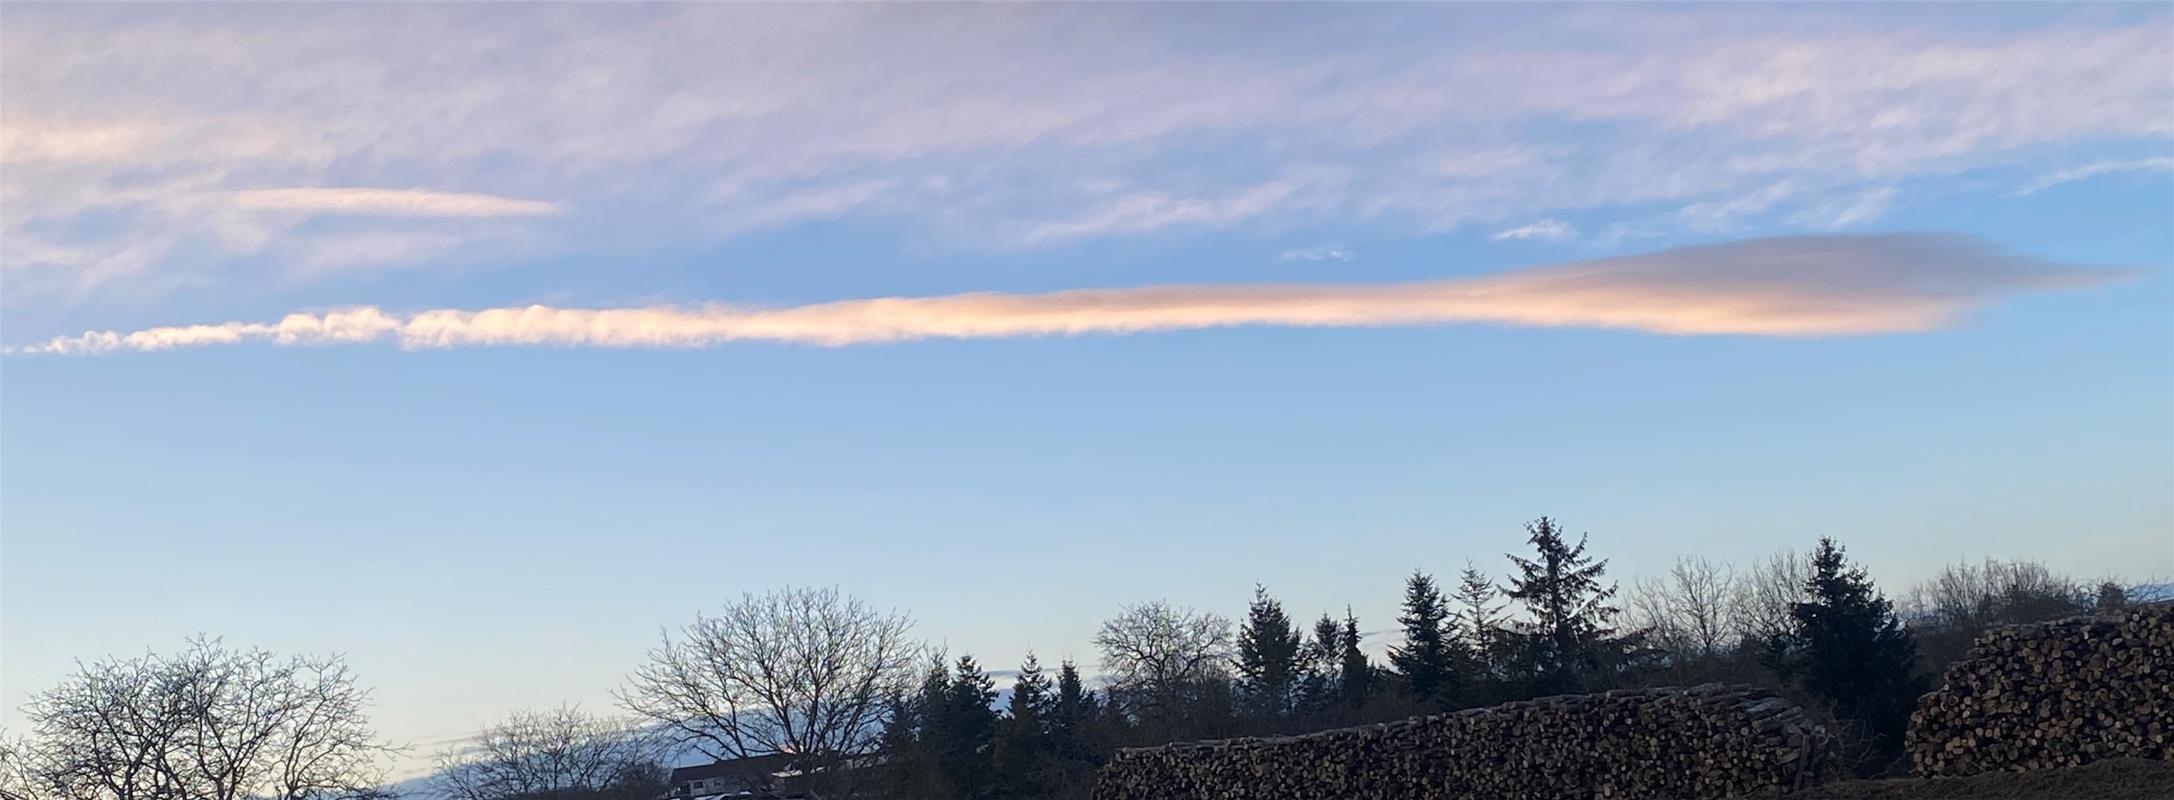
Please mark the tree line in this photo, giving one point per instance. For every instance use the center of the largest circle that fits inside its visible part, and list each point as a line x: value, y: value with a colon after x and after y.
x: 857, y: 707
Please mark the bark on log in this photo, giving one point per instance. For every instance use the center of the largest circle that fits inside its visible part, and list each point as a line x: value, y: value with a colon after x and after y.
x: 1707, y: 741
x: 2056, y: 694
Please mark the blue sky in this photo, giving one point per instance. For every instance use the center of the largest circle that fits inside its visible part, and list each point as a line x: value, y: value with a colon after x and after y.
x: 479, y: 342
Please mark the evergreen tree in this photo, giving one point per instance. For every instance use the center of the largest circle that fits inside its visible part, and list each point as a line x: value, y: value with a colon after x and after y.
x: 1846, y: 645
x: 1269, y: 649
x: 1570, y: 639
x: 2111, y: 597
x: 962, y: 731
x: 1355, y: 676
x: 1317, y: 689
x: 1427, y: 660
x: 918, y: 726
x: 901, y: 742
x: 1023, y: 751
x: 1073, y: 702
x: 1479, y: 613
x: 1079, y: 727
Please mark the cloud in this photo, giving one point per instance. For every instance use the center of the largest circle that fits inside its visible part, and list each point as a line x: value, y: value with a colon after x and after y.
x: 1722, y: 215
x: 1317, y: 254
x: 1549, y: 229
x: 689, y: 123
x: 389, y: 202
x: 2092, y: 170
x: 1848, y: 210
x: 1146, y: 212
x: 1789, y: 286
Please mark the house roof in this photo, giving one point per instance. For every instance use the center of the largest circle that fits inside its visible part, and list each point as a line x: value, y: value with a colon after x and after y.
x: 761, y: 766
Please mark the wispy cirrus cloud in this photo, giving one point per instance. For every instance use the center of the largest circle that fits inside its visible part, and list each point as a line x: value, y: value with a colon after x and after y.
x: 1548, y: 229
x: 1791, y: 286
x: 1848, y: 210
x: 987, y: 130
x: 389, y: 202
x: 2093, y: 170
x: 1317, y: 254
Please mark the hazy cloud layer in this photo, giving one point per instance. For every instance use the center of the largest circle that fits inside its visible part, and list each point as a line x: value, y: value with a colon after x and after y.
x: 150, y: 147
x: 1790, y: 286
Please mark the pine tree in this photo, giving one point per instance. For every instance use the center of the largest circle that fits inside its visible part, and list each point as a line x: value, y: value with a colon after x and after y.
x: 1427, y: 660
x: 1268, y: 657
x: 1355, y: 676
x: 1846, y: 645
x: 1022, y: 751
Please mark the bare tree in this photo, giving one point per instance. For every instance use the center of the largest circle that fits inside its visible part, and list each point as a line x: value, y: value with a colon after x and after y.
x: 562, y: 753
x: 18, y: 778
x: 208, y: 724
x: 1691, y: 612
x: 1766, y: 593
x: 1158, y: 656
x: 802, y: 671
x: 1970, y: 597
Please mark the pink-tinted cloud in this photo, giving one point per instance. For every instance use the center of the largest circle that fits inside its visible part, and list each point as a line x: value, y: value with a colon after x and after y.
x: 1790, y: 286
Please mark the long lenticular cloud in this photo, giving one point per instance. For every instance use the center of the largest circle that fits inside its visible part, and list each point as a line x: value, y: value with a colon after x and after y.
x: 1791, y: 286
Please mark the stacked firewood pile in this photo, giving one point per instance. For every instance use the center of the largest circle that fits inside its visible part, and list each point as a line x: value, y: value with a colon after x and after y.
x: 1684, y: 744
x: 2056, y: 694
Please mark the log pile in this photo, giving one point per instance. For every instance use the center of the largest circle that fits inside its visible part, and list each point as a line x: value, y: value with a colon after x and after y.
x: 2056, y: 694
x: 1708, y: 741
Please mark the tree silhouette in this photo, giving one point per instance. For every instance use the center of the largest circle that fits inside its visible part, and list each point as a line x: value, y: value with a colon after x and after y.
x: 1023, y: 753
x: 1355, y: 676
x: 1427, y: 660
x: 1269, y: 649
x: 1569, y: 638
x: 1847, y: 646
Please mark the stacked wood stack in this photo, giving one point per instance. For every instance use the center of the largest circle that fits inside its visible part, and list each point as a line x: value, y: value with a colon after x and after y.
x: 1707, y: 741
x: 2057, y: 694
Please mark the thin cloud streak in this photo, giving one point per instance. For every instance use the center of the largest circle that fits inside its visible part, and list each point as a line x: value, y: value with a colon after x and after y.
x: 1317, y: 254
x: 1789, y: 286
x: 2094, y: 170
x: 390, y: 202
x: 1549, y: 229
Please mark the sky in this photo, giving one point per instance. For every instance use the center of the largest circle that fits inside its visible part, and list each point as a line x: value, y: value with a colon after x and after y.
x: 480, y: 343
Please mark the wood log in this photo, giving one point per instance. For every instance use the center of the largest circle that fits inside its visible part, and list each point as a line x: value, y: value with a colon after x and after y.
x: 2052, y: 695
x: 1707, y: 741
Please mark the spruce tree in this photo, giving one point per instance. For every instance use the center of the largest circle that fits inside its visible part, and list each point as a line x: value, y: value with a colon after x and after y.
x: 1023, y: 751
x: 968, y: 731
x: 1355, y: 676
x: 1427, y: 658
x: 1072, y: 702
x: 921, y: 724
x: 1268, y: 657
x: 1078, y: 726
x: 1479, y: 613
x: 1846, y: 645
x: 1570, y: 639
x: 900, y: 743
x: 1317, y: 689
x: 2111, y: 598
